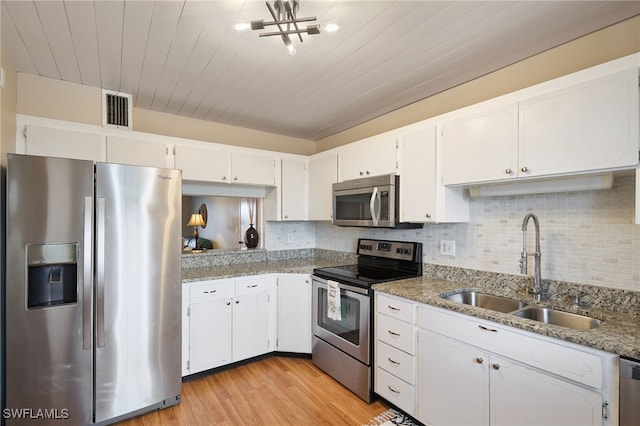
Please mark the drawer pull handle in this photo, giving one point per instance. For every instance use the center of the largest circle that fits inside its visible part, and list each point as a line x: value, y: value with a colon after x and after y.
x: 493, y: 330
x: 393, y: 390
x: 496, y: 366
x: 252, y: 286
x: 393, y: 333
x: 479, y: 360
x: 210, y: 291
x: 393, y: 308
x: 393, y: 362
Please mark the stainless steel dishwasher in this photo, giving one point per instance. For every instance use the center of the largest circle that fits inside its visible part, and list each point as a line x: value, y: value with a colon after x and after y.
x: 629, y: 392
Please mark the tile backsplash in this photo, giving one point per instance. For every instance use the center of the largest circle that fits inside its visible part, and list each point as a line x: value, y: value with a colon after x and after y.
x: 587, y: 237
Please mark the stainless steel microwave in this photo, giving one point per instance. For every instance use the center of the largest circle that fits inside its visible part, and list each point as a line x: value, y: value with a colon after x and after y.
x: 370, y: 202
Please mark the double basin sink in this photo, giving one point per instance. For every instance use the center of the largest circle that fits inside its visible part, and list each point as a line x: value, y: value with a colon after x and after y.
x: 522, y: 310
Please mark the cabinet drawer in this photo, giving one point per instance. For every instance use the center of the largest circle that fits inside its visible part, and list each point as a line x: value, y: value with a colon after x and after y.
x: 396, y: 362
x: 253, y: 286
x: 395, y: 307
x: 396, y: 333
x: 399, y: 393
x: 210, y: 290
x: 581, y: 364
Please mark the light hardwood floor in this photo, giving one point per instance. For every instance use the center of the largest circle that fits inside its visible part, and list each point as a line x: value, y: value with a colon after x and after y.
x: 272, y: 391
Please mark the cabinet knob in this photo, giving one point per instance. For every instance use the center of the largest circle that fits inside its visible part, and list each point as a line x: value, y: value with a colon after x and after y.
x: 524, y: 169
x: 508, y: 171
x: 428, y: 215
x: 361, y: 173
x: 228, y: 303
x: 237, y: 301
x: 367, y: 172
x: 286, y: 216
x: 496, y: 366
x: 224, y: 178
x: 235, y: 178
x: 479, y: 360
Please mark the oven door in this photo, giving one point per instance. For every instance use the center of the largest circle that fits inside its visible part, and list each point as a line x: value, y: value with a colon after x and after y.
x: 350, y: 334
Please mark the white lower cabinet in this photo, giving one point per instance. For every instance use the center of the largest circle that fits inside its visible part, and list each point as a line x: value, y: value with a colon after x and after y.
x: 474, y: 372
x: 227, y: 320
x: 294, y: 313
x: 395, y: 350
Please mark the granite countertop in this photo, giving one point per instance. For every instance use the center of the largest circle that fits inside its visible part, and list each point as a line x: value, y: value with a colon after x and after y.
x: 618, y: 333
x: 286, y: 266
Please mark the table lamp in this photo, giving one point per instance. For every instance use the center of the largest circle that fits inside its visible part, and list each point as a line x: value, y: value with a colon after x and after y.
x: 195, y: 221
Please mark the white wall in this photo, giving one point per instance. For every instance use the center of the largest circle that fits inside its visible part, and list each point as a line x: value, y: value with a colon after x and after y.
x: 586, y: 237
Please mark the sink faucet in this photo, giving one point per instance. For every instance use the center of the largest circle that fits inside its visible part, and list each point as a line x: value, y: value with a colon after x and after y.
x: 536, y: 286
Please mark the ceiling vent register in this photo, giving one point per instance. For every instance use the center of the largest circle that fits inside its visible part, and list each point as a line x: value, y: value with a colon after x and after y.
x: 116, y: 109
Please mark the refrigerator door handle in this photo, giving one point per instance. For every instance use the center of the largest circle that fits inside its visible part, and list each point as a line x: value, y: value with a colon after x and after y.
x: 87, y: 281
x: 100, y: 253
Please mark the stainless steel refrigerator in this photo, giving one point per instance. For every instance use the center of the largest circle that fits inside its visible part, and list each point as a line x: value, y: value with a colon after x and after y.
x: 93, y: 291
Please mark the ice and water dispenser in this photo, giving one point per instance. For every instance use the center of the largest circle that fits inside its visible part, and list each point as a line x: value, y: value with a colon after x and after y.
x: 52, y: 274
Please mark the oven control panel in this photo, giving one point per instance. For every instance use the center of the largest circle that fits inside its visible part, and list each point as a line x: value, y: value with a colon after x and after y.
x: 401, y: 250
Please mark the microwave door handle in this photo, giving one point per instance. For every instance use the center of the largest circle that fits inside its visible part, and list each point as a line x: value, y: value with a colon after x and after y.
x: 372, y: 206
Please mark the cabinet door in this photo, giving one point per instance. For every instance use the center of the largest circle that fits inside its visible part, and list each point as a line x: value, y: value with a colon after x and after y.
x: 294, y: 313
x: 54, y: 142
x: 453, y: 384
x: 136, y: 152
x: 294, y: 189
x: 251, y: 326
x: 253, y: 169
x: 482, y: 147
x: 323, y: 173
x: 418, y: 176
x: 524, y: 396
x: 209, y: 334
x: 202, y: 163
x: 590, y: 126
x: 374, y: 156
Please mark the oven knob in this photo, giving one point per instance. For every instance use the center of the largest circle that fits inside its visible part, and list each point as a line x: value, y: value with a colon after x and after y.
x: 399, y: 250
x: 407, y: 251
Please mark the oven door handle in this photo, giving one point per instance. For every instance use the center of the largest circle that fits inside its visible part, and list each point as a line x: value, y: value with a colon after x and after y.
x: 322, y: 282
x: 375, y: 215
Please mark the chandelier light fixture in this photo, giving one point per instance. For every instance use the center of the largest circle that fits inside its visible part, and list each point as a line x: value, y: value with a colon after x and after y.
x: 287, y: 22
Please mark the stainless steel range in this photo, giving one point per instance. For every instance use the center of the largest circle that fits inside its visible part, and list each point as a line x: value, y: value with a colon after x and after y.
x: 343, y: 309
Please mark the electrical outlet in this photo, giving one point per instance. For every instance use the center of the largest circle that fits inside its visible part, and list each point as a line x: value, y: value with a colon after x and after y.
x: 289, y: 238
x: 448, y: 247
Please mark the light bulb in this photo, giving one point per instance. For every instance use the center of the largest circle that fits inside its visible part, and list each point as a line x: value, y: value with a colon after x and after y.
x: 241, y: 26
x: 331, y: 28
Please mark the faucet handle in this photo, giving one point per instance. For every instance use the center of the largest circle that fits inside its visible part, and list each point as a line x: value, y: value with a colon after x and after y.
x: 523, y: 263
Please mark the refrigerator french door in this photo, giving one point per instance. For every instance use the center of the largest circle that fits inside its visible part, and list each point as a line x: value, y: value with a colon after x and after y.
x: 93, y: 290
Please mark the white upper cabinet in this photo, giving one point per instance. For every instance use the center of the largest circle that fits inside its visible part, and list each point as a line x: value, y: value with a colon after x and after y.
x: 422, y: 197
x: 65, y: 143
x: 202, y: 163
x: 323, y: 173
x: 374, y: 156
x: 481, y: 147
x: 294, y: 188
x: 137, y: 152
x: 588, y: 126
x: 253, y: 169
x: 568, y: 127
x: 418, y: 177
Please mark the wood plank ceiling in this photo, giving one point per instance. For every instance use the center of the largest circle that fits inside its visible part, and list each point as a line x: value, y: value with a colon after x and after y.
x: 182, y: 57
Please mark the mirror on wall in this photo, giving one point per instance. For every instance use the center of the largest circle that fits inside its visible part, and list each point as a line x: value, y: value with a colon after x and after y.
x: 227, y: 220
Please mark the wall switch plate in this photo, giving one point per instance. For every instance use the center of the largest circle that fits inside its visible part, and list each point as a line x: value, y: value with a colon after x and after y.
x: 289, y: 238
x: 448, y: 247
